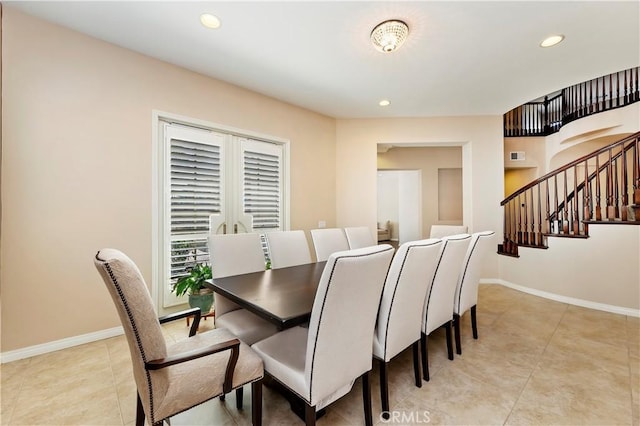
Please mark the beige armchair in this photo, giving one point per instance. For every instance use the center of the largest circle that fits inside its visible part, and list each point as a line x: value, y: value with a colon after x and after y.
x: 173, y: 379
x: 384, y: 231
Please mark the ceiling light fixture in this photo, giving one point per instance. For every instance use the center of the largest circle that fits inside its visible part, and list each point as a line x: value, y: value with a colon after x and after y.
x: 210, y: 21
x: 389, y: 35
x: 384, y: 103
x: 551, y: 41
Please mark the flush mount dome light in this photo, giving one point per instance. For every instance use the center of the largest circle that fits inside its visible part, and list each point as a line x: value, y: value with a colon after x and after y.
x: 389, y: 35
x: 551, y: 41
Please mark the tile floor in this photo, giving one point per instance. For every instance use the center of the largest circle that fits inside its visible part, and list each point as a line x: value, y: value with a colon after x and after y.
x: 536, y: 362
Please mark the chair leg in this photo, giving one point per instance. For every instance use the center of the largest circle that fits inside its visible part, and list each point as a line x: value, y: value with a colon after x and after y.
x: 384, y: 388
x: 256, y: 403
x: 139, y: 412
x: 239, y: 396
x: 366, y: 399
x: 474, y: 323
x: 309, y: 415
x: 223, y: 397
x: 456, y: 330
x: 425, y: 357
x: 447, y: 328
x: 416, y: 363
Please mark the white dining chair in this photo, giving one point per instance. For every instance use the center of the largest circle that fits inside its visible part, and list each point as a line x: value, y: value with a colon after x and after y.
x: 437, y: 307
x: 400, y: 313
x: 359, y: 236
x: 439, y: 231
x: 288, y: 248
x: 321, y: 363
x: 169, y: 378
x: 466, y: 296
x: 235, y: 254
x: 327, y: 241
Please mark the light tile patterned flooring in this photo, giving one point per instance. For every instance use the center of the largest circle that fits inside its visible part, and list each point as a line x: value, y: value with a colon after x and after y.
x: 536, y: 362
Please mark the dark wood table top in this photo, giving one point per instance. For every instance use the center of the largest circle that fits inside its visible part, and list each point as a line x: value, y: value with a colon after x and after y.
x: 282, y: 296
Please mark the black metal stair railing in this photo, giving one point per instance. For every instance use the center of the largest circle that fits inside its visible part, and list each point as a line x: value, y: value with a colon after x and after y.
x: 545, y: 117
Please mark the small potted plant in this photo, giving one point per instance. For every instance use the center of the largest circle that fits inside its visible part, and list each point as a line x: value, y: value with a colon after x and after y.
x: 200, y: 296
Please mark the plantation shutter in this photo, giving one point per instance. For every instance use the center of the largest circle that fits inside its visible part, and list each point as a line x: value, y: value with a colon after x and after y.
x: 211, y: 181
x: 196, y: 181
x: 262, y: 184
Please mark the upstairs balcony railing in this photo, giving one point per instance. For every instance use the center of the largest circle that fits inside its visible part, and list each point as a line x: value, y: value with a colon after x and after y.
x: 601, y: 187
x: 542, y: 118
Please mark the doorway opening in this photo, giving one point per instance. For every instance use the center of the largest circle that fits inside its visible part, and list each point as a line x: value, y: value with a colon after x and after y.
x: 440, y: 198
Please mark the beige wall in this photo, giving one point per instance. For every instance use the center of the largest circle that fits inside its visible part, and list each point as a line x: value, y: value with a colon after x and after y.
x: 600, y: 269
x: 515, y: 179
x: 428, y: 160
x: 77, y: 167
x: 483, y: 167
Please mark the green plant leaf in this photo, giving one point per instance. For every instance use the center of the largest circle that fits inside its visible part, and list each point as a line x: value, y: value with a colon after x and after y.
x: 192, y: 283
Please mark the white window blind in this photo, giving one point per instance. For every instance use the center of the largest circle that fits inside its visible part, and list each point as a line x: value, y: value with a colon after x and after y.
x: 195, y: 185
x: 262, y: 184
x: 211, y: 182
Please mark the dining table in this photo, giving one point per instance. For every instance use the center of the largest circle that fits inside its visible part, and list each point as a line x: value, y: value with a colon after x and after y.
x: 281, y: 296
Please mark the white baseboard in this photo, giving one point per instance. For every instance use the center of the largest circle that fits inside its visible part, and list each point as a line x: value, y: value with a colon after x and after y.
x: 59, y: 344
x: 565, y: 299
x: 116, y: 331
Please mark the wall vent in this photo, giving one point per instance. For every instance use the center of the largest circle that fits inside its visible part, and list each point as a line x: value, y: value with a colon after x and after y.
x: 516, y: 155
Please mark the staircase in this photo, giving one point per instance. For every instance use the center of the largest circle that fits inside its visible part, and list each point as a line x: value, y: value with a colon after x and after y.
x: 601, y: 187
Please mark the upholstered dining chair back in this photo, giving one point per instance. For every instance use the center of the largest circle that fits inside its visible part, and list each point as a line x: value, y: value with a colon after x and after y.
x: 401, y: 307
x: 359, y: 236
x: 173, y: 378
x: 437, y: 308
x: 343, y: 317
x: 327, y: 241
x: 234, y: 254
x: 439, y: 231
x: 139, y: 320
x: 466, y: 295
x: 467, y: 288
x: 288, y: 248
x: 400, y: 312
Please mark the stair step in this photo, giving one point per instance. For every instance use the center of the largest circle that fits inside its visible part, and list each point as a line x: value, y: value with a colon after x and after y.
x: 533, y: 246
x: 612, y: 222
x: 567, y: 235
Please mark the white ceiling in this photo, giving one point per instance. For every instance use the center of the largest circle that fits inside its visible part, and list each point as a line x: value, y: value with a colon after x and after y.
x: 461, y: 58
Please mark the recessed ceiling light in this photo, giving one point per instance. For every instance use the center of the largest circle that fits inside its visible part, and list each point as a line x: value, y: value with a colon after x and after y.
x: 551, y: 41
x: 384, y: 102
x: 210, y: 21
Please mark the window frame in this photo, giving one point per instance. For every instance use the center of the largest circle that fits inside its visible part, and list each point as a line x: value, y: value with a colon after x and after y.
x: 160, y: 232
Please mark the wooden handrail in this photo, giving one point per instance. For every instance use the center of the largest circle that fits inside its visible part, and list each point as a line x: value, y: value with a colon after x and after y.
x: 575, y: 204
x: 570, y: 165
x: 542, y: 118
x: 588, y: 178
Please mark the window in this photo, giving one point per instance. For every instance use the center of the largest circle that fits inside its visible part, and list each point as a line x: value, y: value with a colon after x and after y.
x: 212, y: 181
